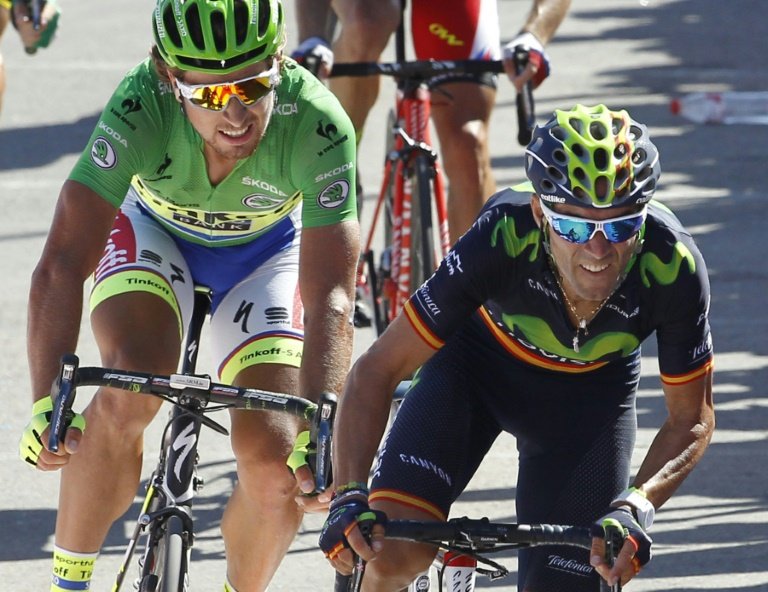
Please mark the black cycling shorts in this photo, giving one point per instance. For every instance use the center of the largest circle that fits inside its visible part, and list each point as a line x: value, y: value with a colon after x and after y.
x: 575, y: 434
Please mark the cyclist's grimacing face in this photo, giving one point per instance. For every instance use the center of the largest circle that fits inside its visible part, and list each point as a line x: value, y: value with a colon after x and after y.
x: 590, y: 270
x: 233, y: 132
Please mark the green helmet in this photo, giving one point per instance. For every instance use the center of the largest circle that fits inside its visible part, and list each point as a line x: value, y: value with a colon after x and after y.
x: 592, y: 157
x: 217, y: 36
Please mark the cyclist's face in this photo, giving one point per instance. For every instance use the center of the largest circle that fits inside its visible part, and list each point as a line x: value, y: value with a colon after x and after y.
x: 234, y: 132
x: 589, y: 271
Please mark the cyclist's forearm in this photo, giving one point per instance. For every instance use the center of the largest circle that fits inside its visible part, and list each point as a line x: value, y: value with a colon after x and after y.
x: 314, y: 18
x: 327, y: 284
x: 328, y: 337
x: 360, y: 422
x: 674, y: 453
x: 53, y: 324
x: 70, y: 255
x: 545, y: 17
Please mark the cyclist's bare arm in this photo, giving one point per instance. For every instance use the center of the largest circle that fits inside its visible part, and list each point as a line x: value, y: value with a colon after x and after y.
x: 327, y: 278
x: 75, y: 243
x: 326, y: 281
x: 364, y: 410
x: 681, y: 441
x: 545, y: 17
x: 674, y: 452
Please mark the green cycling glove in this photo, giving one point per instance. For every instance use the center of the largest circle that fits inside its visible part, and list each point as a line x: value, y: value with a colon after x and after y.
x: 31, y: 443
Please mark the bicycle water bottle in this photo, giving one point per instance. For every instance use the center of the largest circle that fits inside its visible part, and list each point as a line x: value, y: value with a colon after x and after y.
x: 723, y: 107
x: 459, y: 572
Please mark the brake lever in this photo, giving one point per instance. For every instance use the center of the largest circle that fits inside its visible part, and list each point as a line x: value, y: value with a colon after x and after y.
x: 320, y: 437
x: 63, y: 397
x: 526, y: 116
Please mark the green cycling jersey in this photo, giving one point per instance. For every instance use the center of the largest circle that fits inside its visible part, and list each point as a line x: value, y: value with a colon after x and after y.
x: 305, y: 160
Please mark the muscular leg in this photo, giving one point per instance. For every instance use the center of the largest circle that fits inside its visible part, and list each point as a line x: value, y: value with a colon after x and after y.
x: 135, y: 331
x: 262, y: 517
x: 366, y: 26
x: 461, y: 120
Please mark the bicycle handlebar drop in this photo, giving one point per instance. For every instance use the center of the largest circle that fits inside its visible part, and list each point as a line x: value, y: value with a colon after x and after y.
x: 182, y: 388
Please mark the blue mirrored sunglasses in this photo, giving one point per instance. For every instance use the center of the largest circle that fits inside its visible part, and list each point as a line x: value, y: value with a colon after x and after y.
x: 581, y: 230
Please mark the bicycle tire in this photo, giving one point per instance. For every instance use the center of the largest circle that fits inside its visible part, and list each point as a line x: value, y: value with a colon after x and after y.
x: 172, y: 557
x: 423, y: 262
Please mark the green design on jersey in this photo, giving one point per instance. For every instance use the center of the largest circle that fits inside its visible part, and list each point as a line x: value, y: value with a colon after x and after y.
x: 666, y: 273
x: 301, y: 174
x: 539, y: 333
x: 514, y: 245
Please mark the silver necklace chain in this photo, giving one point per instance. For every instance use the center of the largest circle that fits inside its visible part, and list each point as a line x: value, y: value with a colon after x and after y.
x: 581, y: 322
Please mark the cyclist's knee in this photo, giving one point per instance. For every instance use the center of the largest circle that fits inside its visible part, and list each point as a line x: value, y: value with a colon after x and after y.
x: 261, y: 467
x: 268, y: 482
x: 397, y: 565
x: 120, y: 415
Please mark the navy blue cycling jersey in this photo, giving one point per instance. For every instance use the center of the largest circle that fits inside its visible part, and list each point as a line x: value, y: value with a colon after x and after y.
x: 500, y: 273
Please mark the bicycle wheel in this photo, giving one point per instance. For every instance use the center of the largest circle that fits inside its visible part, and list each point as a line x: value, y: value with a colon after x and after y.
x: 423, y: 261
x: 172, y: 551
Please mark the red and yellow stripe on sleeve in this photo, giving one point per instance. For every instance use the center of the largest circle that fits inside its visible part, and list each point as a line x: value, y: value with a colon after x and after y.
x: 678, y: 379
x: 418, y: 325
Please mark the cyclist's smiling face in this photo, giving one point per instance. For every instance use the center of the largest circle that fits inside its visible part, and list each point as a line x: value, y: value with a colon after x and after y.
x: 234, y: 132
x: 589, y: 271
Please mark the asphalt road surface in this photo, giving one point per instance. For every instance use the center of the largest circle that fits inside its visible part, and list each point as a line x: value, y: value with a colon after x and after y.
x: 627, y: 54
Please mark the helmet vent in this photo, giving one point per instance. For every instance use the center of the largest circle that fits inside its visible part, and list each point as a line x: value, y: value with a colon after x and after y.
x: 576, y: 125
x: 598, y: 131
x: 578, y: 151
x: 548, y: 186
x: 559, y: 157
x: 635, y: 133
x: 616, y: 125
x: 643, y: 174
x: 600, y: 159
x: 559, y: 133
x: 264, y: 18
x: 218, y: 26
x: 556, y: 174
x: 580, y: 194
x: 192, y: 20
x: 620, y: 179
x: 620, y: 151
x: 639, y: 156
x: 580, y: 175
x: 241, y: 21
x: 170, y: 26
x: 602, y: 188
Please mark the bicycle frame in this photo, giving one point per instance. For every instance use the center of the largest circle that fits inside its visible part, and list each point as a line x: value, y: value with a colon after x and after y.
x: 411, y: 140
x: 407, y: 210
